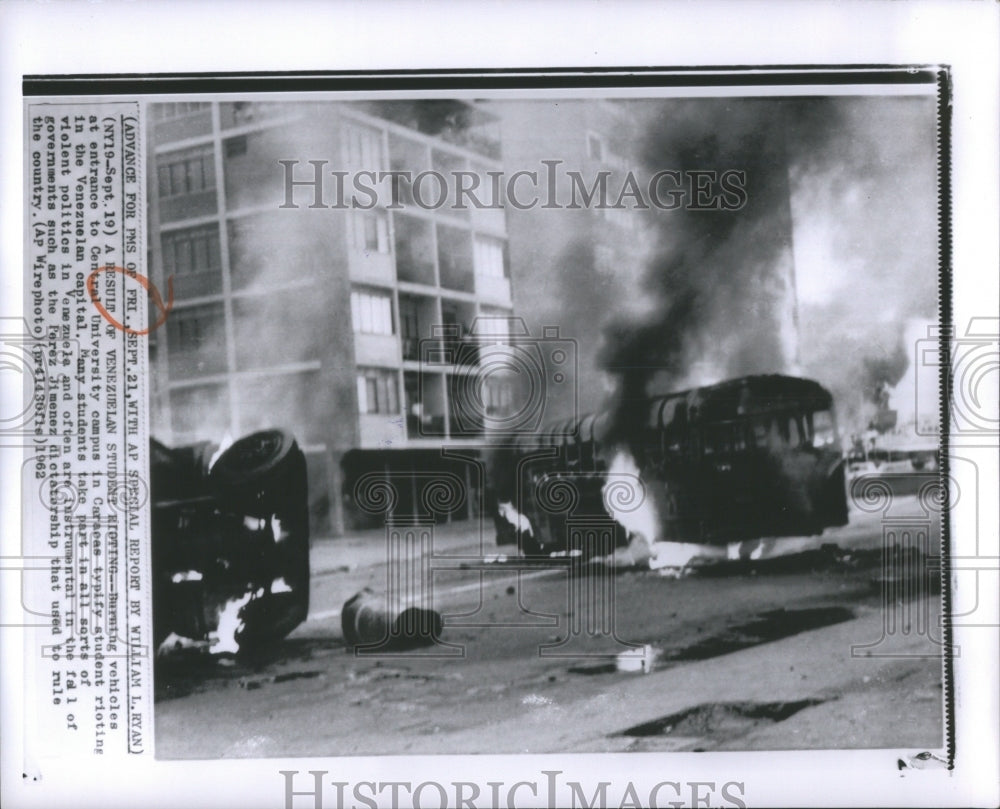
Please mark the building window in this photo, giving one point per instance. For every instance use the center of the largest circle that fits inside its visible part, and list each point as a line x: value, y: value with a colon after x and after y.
x: 241, y: 113
x: 369, y: 231
x: 595, y: 149
x: 185, y: 173
x: 414, y: 248
x: 187, y: 252
x: 493, y: 323
x: 416, y: 313
x: 408, y: 155
x: 490, y: 257
x: 371, y: 312
x: 378, y: 391
x: 455, y: 260
x: 363, y: 148
x: 448, y: 166
x: 195, y: 339
x: 193, y: 330
x: 425, y: 404
x: 236, y: 147
x: 498, y: 396
x: 409, y: 327
x: 179, y: 109
x: 465, y: 405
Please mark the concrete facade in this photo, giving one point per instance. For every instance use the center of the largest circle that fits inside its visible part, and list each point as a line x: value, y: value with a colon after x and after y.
x: 296, y: 311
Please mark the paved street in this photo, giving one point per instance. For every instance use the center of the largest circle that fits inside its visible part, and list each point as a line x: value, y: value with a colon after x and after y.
x: 737, y: 656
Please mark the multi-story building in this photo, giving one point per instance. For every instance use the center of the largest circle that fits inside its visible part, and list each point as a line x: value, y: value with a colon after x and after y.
x: 295, y: 308
x: 589, y: 258
x: 578, y: 262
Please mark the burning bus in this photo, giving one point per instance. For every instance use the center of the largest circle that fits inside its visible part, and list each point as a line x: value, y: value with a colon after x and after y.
x: 230, y: 542
x: 749, y: 458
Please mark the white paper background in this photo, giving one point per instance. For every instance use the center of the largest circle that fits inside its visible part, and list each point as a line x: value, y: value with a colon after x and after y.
x: 182, y: 37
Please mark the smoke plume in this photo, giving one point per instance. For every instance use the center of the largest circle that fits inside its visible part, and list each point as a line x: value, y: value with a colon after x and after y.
x: 839, y: 201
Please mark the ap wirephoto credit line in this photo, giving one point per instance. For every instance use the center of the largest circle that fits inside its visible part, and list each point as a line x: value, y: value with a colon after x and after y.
x: 618, y: 443
x: 85, y: 489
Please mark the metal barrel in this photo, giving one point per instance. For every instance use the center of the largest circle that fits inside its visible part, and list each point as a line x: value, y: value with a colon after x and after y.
x: 366, y: 622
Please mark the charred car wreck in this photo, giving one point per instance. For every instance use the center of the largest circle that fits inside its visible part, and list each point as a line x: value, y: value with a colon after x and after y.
x: 230, y: 542
x: 745, y: 459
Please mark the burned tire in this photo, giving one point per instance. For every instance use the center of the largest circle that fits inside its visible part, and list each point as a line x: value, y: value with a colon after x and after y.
x: 257, y: 470
x: 268, y: 620
x: 251, y: 458
x: 264, y: 475
x: 504, y: 532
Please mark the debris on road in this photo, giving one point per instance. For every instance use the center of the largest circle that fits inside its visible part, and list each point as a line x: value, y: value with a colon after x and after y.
x: 366, y: 620
x: 174, y: 642
x: 643, y: 659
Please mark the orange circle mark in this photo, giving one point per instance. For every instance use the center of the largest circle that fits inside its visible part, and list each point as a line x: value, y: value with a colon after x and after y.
x: 154, y: 295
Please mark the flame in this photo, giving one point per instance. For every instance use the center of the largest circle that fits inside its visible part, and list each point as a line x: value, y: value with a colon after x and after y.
x: 230, y: 624
x: 174, y: 642
x: 224, y: 444
x: 642, y: 659
x: 276, y: 529
x: 673, y: 558
x: 515, y: 518
x: 637, y: 513
x: 639, y: 517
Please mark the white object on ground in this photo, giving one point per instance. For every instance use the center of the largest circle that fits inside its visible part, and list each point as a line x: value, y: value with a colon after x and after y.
x: 635, y: 660
x: 515, y: 518
x: 230, y: 623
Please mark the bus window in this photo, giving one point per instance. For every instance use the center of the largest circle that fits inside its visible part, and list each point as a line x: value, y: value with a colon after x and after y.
x: 824, y: 432
x: 674, y: 446
x: 760, y: 431
x: 692, y: 447
x: 777, y: 434
x: 724, y: 439
x: 718, y: 439
x: 794, y: 439
x: 572, y: 450
x: 739, y: 437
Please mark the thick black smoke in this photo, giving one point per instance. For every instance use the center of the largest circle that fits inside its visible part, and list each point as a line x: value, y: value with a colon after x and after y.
x: 882, y: 372
x: 721, y: 281
x: 818, y: 274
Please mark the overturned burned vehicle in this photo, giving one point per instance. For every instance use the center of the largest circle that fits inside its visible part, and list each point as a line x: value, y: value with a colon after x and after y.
x: 750, y: 458
x: 230, y: 542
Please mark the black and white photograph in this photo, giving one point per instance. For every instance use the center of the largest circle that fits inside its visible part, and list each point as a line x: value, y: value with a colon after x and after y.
x: 575, y: 424
x: 409, y: 408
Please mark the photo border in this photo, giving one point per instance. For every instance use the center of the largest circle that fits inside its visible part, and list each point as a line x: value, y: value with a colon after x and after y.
x: 945, y: 301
